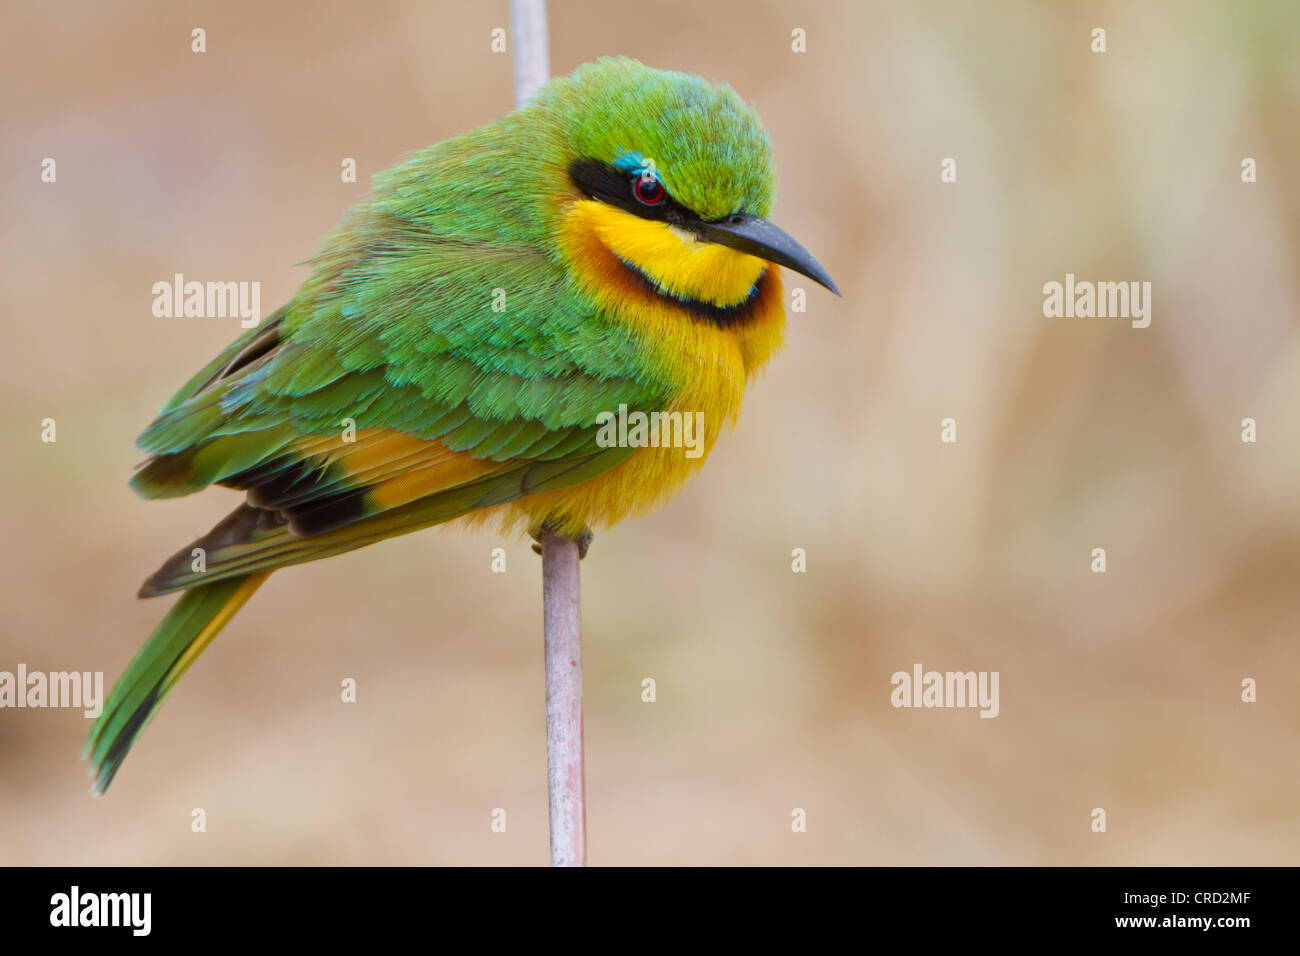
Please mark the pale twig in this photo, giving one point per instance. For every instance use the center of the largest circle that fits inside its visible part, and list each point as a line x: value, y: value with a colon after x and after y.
x: 561, y: 594
x: 532, y: 59
x: 565, y: 770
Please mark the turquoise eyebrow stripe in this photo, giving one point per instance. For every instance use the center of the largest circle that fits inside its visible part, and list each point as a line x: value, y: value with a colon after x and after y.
x: 629, y: 161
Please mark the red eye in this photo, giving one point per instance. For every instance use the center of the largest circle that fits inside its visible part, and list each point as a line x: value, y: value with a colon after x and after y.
x: 648, y: 190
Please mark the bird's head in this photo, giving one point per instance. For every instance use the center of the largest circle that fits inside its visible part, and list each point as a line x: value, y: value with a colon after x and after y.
x: 669, y: 188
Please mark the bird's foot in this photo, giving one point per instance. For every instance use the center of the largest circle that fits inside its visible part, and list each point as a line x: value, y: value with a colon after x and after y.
x: 582, y: 539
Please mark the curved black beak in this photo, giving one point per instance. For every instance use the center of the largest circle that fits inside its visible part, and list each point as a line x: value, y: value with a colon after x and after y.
x: 758, y: 237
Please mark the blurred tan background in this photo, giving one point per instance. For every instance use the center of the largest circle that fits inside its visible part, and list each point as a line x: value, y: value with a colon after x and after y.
x: 1119, y: 690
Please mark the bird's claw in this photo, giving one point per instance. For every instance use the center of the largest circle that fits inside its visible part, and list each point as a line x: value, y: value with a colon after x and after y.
x: 582, y: 540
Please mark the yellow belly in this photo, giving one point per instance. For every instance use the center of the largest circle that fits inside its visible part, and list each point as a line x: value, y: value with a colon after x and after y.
x: 711, y: 362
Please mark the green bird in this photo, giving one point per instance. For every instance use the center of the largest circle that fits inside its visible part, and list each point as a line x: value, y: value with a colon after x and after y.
x: 464, y: 338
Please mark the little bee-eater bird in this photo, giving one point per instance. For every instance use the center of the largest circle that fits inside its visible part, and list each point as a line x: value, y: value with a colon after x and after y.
x: 461, y: 332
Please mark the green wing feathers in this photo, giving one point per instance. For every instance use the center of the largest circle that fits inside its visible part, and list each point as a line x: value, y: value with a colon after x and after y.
x: 252, y: 539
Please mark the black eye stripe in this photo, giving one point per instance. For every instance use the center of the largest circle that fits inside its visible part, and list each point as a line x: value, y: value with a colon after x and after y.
x: 602, y: 181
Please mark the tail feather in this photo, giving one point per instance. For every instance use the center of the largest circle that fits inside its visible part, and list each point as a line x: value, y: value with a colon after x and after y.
x: 173, y: 646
